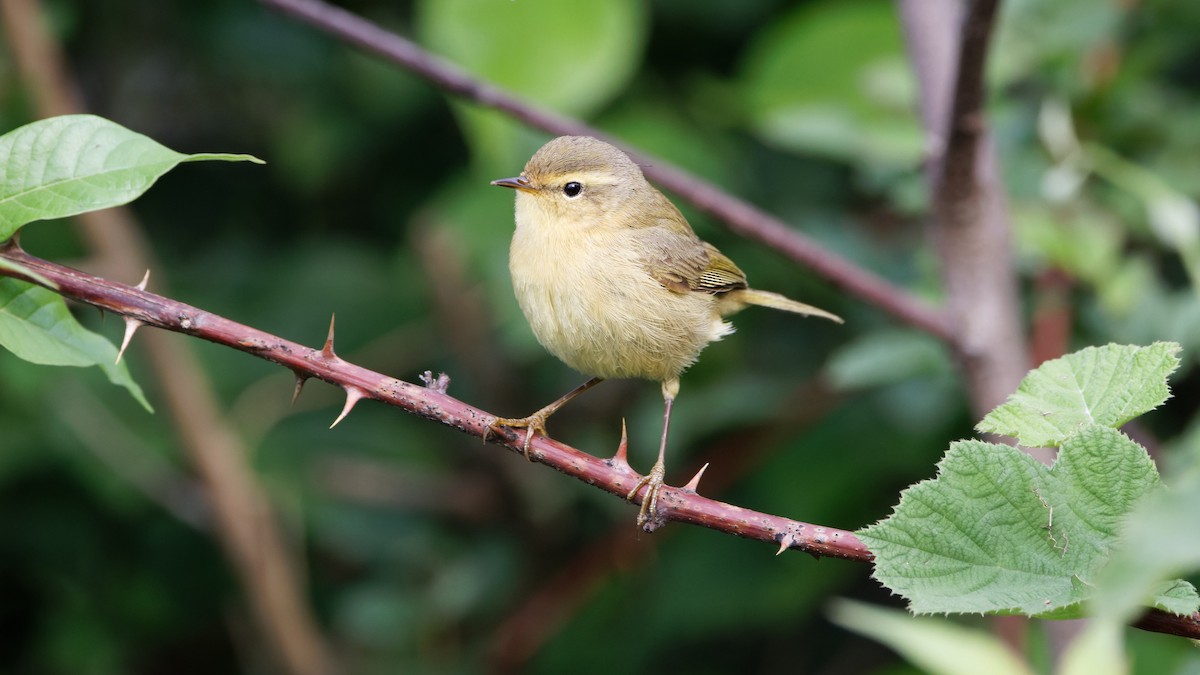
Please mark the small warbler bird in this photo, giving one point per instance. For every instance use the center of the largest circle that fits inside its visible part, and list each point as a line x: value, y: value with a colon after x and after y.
x: 615, y: 283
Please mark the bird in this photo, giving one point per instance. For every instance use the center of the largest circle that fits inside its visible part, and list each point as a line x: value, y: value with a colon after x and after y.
x: 615, y: 283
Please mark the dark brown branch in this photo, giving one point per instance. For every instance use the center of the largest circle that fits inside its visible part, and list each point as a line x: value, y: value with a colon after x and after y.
x: 675, y: 504
x: 967, y: 122
x: 740, y: 216
x: 971, y: 224
x: 1158, y: 621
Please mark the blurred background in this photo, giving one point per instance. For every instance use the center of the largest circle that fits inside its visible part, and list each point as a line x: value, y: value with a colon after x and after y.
x: 421, y: 550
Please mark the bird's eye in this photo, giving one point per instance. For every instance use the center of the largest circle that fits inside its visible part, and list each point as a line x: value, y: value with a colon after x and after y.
x: 572, y: 189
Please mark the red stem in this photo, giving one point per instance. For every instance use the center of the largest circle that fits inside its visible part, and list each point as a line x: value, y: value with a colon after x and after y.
x: 612, y: 476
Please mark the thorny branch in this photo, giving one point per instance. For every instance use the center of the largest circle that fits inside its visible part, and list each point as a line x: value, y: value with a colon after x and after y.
x: 983, y: 325
x: 948, y: 44
x: 140, y: 307
x: 613, y: 475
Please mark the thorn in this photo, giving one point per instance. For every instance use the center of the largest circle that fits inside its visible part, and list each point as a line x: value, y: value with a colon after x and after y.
x: 145, y: 279
x: 622, y: 456
x: 784, y: 543
x: 300, y: 380
x: 353, y: 396
x: 327, y: 350
x: 131, y: 326
x: 694, y: 483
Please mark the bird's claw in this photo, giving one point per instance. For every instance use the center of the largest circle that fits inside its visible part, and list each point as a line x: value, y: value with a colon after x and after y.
x: 535, y: 423
x: 653, y: 482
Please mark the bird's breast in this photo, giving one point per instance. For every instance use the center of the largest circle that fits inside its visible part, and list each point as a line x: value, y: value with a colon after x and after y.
x: 590, y: 302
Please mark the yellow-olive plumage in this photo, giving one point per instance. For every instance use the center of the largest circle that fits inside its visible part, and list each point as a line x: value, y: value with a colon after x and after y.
x: 613, y: 280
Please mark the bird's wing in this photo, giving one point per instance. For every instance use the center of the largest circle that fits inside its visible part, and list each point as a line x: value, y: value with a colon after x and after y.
x: 683, y: 263
x: 721, y: 275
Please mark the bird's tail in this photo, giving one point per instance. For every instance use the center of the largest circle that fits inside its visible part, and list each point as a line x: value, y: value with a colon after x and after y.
x: 736, y: 300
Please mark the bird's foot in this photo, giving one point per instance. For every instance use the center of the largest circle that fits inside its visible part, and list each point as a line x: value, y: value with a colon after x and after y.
x: 535, y: 423
x: 653, y: 482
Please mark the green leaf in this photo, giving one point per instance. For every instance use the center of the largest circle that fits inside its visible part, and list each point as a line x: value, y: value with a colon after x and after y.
x: 36, y: 326
x: 1087, y: 242
x: 1107, y: 385
x: 1037, y: 39
x: 997, y: 531
x: 887, y: 357
x: 935, y: 646
x: 581, y: 57
x: 833, y: 78
x: 72, y: 164
x: 579, y: 60
x: 1172, y: 215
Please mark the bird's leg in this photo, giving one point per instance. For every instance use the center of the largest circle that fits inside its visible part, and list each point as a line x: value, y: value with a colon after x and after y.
x: 654, y: 480
x: 537, y: 421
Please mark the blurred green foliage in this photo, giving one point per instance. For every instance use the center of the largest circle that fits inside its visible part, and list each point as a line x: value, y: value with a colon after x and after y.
x: 421, y: 547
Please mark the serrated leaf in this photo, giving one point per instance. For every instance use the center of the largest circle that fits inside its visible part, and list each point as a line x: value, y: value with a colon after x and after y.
x: 1107, y: 385
x: 36, y: 326
x: 72, y: 164
x: 1175, y: 595
x: 934, y: 645
x: 997, y: 531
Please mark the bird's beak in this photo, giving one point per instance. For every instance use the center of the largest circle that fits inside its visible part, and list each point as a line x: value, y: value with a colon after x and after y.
x: 517, y: 183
